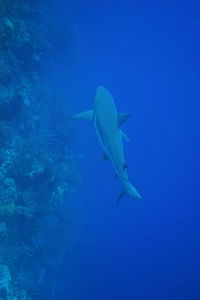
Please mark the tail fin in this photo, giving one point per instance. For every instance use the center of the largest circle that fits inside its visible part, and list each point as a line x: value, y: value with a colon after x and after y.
x: 129, y: 190
x: 120, y: 197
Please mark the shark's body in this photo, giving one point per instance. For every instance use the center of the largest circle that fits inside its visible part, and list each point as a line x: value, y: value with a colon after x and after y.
x: 107, y: 123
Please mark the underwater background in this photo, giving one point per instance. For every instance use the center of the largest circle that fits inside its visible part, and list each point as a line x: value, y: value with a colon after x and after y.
x: 61, y: 236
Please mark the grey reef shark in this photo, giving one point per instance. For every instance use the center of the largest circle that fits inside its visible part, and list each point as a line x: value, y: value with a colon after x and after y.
x: 107, y: 124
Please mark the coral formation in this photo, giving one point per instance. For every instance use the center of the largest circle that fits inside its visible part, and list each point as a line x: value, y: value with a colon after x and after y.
x: 4, y: 6
x: 6, y: 32
x: 5, y: 280
x: 37, y: 171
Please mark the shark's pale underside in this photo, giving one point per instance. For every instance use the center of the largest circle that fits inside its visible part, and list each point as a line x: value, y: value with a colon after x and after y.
x: 107, y: 123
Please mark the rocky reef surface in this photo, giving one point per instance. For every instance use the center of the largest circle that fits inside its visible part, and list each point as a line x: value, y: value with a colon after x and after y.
x: 37, y: 171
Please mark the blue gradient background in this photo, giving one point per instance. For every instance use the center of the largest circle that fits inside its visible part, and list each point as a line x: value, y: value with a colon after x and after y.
x: 147, y: 53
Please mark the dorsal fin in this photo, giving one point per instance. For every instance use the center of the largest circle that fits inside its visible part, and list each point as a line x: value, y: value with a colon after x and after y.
x: 122, y: 118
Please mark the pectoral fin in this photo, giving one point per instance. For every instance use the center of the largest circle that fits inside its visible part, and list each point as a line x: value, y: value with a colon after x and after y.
x: 86, y: 115
x: 122, y: 118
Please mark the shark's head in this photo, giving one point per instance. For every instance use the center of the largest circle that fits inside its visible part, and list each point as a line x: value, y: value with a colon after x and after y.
x: 103, y: 99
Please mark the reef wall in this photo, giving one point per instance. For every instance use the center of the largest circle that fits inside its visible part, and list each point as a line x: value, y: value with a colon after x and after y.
x: 37, y: 171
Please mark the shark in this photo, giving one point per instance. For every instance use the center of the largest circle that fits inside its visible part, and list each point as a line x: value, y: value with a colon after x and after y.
x: 108, y: 123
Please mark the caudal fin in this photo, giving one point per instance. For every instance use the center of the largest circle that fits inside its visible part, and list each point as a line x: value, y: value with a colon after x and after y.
x: 120, y: 197
x: 129, y: 190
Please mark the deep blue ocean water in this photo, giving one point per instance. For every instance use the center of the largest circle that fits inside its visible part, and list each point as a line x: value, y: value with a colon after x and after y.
x: 147, y: 53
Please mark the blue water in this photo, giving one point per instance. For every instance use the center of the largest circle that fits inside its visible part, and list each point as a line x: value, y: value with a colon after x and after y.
x: 147, y: 53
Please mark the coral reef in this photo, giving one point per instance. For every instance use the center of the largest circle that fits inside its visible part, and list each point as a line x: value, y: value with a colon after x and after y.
x: 37, y: 171
x: 4, y: 6
x: 5, y: 282
x: 7, y: 287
